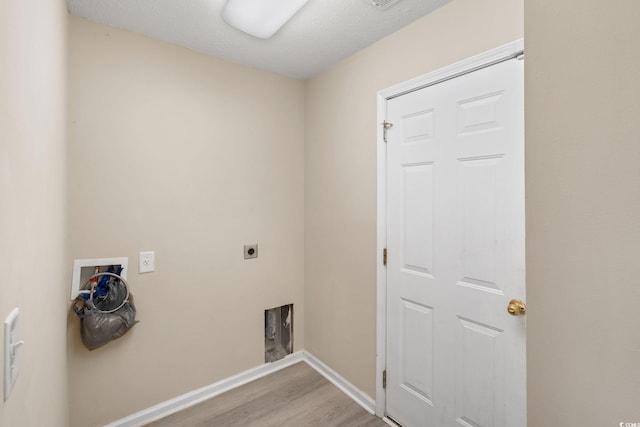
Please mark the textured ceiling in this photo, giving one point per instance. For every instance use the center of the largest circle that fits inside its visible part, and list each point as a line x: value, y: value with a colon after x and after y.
x: 321, y: 34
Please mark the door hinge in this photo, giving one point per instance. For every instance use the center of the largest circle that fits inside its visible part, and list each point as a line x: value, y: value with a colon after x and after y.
x: 384, y: 379
x: 385, y: 126
x: 384, y: 256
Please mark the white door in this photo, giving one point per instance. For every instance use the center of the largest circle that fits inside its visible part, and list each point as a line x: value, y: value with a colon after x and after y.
x: 455, y: 239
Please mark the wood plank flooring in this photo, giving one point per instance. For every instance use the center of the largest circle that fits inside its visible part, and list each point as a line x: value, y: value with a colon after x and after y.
x: 296, y: 396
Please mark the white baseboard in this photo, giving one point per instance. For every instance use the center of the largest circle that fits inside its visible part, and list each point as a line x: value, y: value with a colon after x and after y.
x: 194, y: 397
x: 191, y: 398
x: 336, y: 379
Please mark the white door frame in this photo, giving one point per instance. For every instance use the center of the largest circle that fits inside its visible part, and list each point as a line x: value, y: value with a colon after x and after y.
x: 493, y: 56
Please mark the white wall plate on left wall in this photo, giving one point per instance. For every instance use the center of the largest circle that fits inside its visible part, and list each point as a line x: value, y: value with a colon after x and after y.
x: 84, y: 268
x: 11, y: 345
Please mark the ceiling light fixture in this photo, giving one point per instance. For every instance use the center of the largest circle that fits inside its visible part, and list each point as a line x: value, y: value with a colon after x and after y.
x: 260, y: 18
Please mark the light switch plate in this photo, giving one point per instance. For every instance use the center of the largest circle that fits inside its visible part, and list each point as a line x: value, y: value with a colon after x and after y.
x: 11, y: 344
x: 146, y: 262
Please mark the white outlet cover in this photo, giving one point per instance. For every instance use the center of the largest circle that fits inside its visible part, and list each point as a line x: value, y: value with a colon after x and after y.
x: 146, y: 262
x: 11, y: 367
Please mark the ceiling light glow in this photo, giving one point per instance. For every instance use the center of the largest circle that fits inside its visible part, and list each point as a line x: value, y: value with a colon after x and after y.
x: 260, y: 18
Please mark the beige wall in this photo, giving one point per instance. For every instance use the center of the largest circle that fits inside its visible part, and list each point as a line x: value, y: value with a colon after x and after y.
x: 340, y: 171
x: 583, y: 212
x: 147, y: 114
x: 33, y: 43
x: 192, y: 157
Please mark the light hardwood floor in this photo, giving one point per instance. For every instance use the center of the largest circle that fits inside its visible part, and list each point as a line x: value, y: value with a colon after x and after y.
x: 296, y: 396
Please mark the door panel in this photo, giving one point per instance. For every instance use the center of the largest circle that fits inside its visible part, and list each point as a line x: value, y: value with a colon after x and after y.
x: 417, y: 251
x: 481, y: 114
x: 416, y: 374
x: 477, y: 350
x: 479, y: 182
x: 455, y: 239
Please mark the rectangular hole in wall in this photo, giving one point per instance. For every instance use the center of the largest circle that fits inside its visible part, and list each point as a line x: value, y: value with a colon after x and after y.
x: 278, y: 332
x: 87, y: 272
x: 83, y: 269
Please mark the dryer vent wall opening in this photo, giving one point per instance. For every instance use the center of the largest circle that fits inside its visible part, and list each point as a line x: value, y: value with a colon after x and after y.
x: 278, y: 332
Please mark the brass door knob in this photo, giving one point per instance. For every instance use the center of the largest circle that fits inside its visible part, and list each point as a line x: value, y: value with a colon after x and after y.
x: 517, y: 307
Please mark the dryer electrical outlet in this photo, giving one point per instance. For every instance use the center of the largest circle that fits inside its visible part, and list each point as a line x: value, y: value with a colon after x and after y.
x: 251, y: 251
x: 11, y: 345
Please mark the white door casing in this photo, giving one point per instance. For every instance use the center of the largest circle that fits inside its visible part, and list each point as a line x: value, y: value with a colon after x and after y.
x: 455, y: 238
